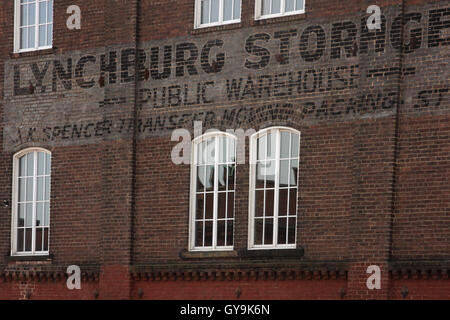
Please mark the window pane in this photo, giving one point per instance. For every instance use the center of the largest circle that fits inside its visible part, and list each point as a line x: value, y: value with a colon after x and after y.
x: 209, y: 183
x: 215, y: 10
x: 28, y: 239
x: 40, y: 188
x: 227, y: 10
x: 270, y: 174
x: 205, y: 11
x: 293, y: 202
x: 31, y: 37
x: 231, y: 150
x: 210, y: 151
x: 231, y: 176
x: 29, y: 194
x: 221, y: 233
x: 222, y: 149
x: 38, y: 240
x: 290, y: 5
x: 45, y: 239
x: 258, y: 231
x: 48, y: 164
x: 43, y: 12
x: 222, y: 177
x: 260, y: 174
x: 31, y: 14
x: 41, y: 163
x: 285, y: 142
x: 294, y: 172
x: 271, y: 146
x: 209, y: 209
x: 29, y: 215
x: 47, y: 189
x: 282, y: 224
x: 199, y: 234
x: 294, y: 145
x: 30, y: 164
x: 47, y: 214
x: 20, y: 236
x: 201, y: 178
x: 22, y: 166
x: 24, y: 15
x: 269, y: 203
x: 268, y: 231
x: 276, y: 6
x: 230, y: 206
x: 291, y: 230
x: 39, y: 214
x: 261, y: 152
x: 200, y: 204
x: 42, y: 36
x: 50, y: 11
x: 21, y: 216
x: 259, y: 203
x: 229, y: 233
x: 23, y: 38
x: 49, y: 34
x: 22, y: 189
x: 265, y: 7
x: 284, y: 173
x: 283, y: 202
x: 300, y: 4
x: 237, y: 9
x: 208, y: 233
x: 222, y: 205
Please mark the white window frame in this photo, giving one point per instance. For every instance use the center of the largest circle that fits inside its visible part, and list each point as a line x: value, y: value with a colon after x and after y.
x: 193, y: 186
x: 17, y: 29
x: 198, y: 16
x: 252, y: 192
x: 260, y: 16
x: 15, y: 195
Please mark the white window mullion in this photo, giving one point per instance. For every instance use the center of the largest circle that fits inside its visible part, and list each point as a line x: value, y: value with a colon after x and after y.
x: 36, y: 27
x: 33, y: 220
x: 277, y: 187
x: 216, y: 190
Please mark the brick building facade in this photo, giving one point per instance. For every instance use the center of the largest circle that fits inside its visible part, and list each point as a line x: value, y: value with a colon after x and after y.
x: 372, y: 113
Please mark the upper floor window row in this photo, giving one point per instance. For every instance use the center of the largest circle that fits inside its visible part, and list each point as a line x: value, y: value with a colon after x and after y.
x: 219, y: 12
x: 33, y: 19
x: 33, y: 25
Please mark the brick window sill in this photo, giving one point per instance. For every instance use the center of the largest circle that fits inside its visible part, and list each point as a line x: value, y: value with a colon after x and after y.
x: 34, y: 53
x: 244, y: 254
x: 18, y: 259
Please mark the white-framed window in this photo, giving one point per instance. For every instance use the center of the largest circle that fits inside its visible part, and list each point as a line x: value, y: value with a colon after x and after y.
x: 33, y: 25
x: 31, y: 202
x: 213, y: 177
x: 274, y: 163
x: 278, y: 8
x: 210, y: 13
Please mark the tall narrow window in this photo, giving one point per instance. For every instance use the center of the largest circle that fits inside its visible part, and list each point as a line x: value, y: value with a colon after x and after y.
x: 212, y: 192
x: 31, y: 202
x: 274, y: 184
x: 216, y: 12
x: 278, y: 8
x: 33, y: 25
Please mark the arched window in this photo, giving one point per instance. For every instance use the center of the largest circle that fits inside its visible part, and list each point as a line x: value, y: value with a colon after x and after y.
x: 31, y: 202
x: 213, y: 175
x: 274, y: 163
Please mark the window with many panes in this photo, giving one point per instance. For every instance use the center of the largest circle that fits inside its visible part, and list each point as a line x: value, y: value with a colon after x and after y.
x: 278, y: 8
x: 33, y: 25
x: 217, y: 12
x: 274, y: 166
x: 213, y: 177
x: 31, y: 202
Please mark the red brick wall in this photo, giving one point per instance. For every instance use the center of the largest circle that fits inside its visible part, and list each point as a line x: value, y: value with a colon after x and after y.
x: 373, y: 185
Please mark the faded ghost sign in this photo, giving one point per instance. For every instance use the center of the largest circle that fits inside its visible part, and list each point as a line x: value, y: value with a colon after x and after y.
x: 315, y: 71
